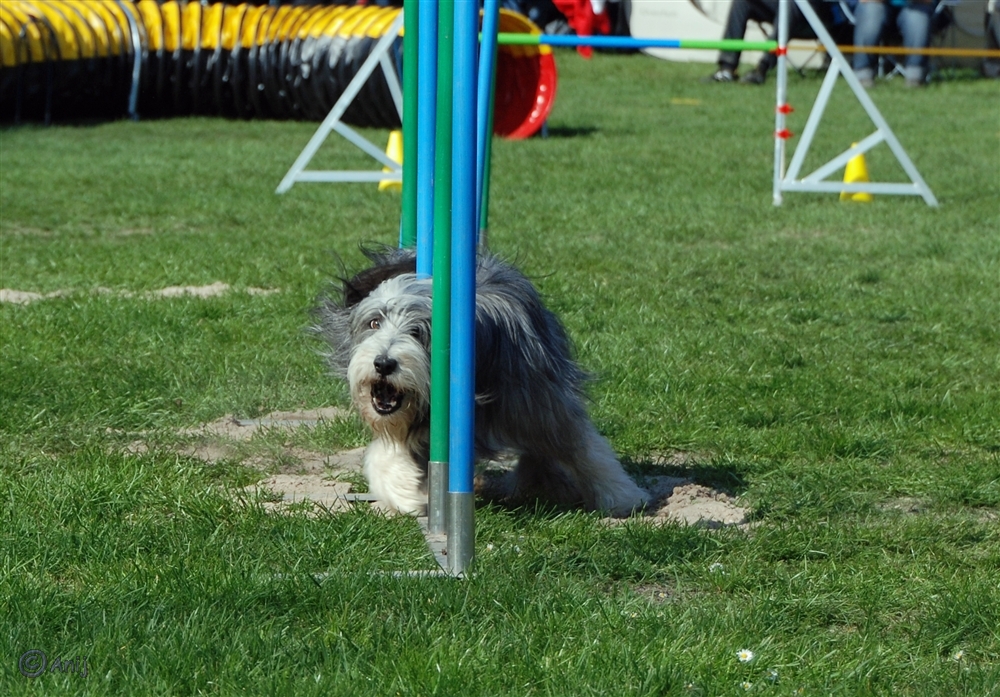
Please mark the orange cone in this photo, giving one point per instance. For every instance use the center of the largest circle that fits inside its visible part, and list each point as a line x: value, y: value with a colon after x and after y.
x: 394, y: 151
x: 856, y: 171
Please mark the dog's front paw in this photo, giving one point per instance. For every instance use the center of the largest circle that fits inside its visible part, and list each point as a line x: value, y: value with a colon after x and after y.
x: 623, y: 503
x: 395, y: 479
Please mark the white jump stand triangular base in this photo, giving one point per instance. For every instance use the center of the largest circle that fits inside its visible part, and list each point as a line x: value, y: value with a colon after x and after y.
x: 817, y: 181
x: 332, y: 122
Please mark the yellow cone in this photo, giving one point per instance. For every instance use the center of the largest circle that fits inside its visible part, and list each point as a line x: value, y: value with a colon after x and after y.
x: 394, y: 151
x: 856, y: 171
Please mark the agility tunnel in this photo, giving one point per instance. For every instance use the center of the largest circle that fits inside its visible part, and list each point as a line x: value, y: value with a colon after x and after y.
x: 80, y: 59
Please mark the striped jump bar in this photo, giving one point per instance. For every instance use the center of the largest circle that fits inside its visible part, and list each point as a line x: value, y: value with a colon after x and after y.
x: 629, y: 42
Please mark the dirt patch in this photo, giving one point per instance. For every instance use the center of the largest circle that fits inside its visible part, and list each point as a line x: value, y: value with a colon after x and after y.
x: 284, y: 491
x: 672, y: 499
x: 904, y: 504
x: 212, y: 290
x: 694, y: 504
x: 298, y: 475
x: 239, y: 429
x: 655, y: 593
x: 209, y: 291
x: 19, y: 297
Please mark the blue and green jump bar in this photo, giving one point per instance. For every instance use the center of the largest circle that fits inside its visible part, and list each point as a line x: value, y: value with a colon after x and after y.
x: 629, y: 42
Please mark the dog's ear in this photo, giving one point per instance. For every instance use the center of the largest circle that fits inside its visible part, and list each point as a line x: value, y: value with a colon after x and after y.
x: 360, y: 287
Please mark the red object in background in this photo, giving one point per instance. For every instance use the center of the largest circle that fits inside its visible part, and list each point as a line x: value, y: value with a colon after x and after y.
x: 581, y: 17
x: 526, y: 82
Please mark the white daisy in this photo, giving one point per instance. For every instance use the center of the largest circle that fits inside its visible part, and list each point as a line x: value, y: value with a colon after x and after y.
x: 744, y: 655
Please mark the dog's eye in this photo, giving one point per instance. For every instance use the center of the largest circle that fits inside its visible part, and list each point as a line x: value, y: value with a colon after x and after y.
x: 375, y: 324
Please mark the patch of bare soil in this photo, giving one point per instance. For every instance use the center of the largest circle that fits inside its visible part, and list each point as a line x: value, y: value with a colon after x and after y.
x: 238, y: 429
x: 212, y: 290
x: 672, y: 499
x: 285, y: 490
x: 302, y: 475
x: 695, y: 504
x: 19, y: 297
x: 298, y: 475
x: 904, y: 504
x: 209, y: 291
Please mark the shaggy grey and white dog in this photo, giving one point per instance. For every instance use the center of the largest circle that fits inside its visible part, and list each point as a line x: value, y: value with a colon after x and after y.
x: 529, y: 391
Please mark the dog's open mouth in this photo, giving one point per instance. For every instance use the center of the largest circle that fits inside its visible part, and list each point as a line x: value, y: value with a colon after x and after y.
x: 386, y: 399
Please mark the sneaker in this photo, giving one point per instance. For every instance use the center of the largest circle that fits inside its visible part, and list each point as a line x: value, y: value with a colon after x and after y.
x: 912, y: 83
x: 866, y: 76
x: 754, y: 77
x: 722, y: 75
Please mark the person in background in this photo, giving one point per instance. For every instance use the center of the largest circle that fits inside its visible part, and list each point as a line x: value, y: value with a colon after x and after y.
x: 991, y: 66
x: 912, y: 17
x: 742, y: 12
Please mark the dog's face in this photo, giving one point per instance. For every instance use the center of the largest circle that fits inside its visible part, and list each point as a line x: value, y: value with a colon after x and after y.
x: 389, y: 367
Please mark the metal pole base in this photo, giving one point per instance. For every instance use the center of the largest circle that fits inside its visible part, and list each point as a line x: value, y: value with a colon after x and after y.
x: 461, y: 531
x: 437, y: 497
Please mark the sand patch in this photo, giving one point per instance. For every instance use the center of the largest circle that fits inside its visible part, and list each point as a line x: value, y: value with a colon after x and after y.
x: 284, y: 491
x: 239, y: 429
x: 694, y: 504
x: 298, y: 475
x: 904, y: 504
x: 212, y: 290
x: 19, y: 297
x: 672, y: 499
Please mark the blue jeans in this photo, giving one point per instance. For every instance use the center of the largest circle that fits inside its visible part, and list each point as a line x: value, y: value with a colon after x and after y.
x: 914, y: 22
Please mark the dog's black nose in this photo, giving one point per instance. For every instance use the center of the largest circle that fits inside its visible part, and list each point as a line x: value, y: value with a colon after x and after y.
x: 385, y: 366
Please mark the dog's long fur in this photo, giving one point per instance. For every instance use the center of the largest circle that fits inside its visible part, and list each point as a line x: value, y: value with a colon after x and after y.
x: 529, y: 391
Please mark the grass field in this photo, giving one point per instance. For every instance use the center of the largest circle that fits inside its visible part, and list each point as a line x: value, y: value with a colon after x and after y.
x: 836, y: 366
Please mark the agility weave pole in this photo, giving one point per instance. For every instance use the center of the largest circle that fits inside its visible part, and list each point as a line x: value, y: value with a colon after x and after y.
x: 451, y: 515
x: 452, y: 248
x: 445, y: 137
x: 461, y: 499
x: 437, y: 467
x: 815, y: 182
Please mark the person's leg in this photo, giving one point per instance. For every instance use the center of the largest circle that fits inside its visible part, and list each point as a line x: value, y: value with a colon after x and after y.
x: 869, y: 18
x: 758, y: 75
x: 741, y: 12
x: 991, y: 24
x: 914, y: 22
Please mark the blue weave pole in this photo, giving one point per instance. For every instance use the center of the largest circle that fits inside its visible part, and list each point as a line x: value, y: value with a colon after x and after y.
x: 461, y: 500
x: 487, y: 64
x: 426, y: 126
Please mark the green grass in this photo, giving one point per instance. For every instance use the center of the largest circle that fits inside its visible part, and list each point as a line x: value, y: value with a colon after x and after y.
x: 836, y: 365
